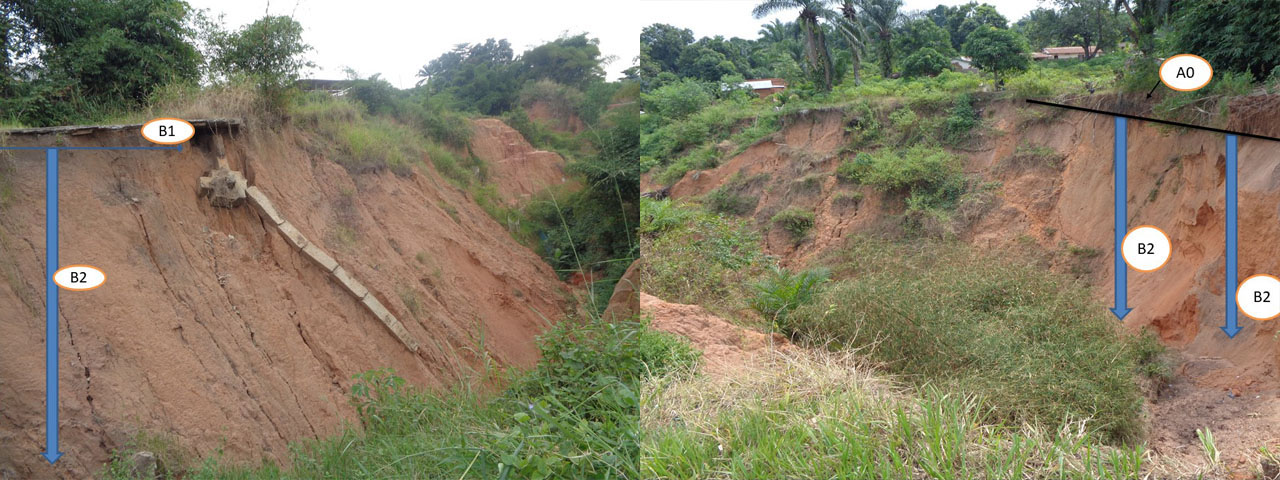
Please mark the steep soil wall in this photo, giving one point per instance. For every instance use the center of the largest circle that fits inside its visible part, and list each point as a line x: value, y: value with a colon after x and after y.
x: 558, y: 120
x: 516, y: 167
x: 1061, y: 211
x: 213, y: 331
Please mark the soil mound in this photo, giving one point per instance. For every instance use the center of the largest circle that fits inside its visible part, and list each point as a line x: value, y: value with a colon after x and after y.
x: 724, y: 346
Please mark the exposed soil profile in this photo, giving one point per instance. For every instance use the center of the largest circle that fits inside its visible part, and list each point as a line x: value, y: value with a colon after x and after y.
x: 213, y: 331
x: 1060, y: 214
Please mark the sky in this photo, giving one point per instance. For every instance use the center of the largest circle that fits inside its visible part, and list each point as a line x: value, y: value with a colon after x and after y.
x: 396, y: 38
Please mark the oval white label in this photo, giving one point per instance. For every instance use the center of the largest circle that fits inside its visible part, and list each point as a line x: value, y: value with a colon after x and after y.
x: 79, y: 277
x: 168, y: 131
x: 1185, y: 72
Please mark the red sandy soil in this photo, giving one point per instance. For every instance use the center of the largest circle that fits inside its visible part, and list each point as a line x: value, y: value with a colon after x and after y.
x: 723, y: 344
x: 1175, y: 183
x: 515, y: 167
x: 211, y: 330
x: 560, y: 121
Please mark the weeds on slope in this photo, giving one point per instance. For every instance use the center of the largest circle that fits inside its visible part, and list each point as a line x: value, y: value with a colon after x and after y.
x: 816, y: 414
x: 576, y: 415
x: 1034, y: 345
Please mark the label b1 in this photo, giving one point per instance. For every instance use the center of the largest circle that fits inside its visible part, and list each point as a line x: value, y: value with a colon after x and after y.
x: 168, y: 131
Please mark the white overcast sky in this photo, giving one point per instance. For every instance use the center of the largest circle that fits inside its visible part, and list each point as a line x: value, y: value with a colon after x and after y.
x: 396, y: 38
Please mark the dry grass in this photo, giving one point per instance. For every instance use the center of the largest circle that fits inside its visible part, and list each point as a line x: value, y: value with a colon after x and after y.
x: 818, y: 414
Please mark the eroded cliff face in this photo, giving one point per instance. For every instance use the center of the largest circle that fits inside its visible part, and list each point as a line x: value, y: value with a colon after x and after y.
x: 1051, y: 209
x: 211, y: 329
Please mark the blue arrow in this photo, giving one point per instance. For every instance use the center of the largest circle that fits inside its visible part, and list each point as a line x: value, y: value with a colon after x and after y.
x: 51, y: 452
x: 1121, y: 217
x: 1231, y: 329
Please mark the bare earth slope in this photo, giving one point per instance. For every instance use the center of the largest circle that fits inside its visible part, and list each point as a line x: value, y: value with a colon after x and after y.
x: 1176, y: 182
x: 516, y: 167
x: 212, y: 330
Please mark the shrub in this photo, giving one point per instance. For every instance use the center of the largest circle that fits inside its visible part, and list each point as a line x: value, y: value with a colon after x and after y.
x: 781, y: 291
x: 853, y: 171
x: 925, y: 62
x: 696, y: 257
x: 727, y: 201
x: 1031, y: 155
x: 795, y: 221
x: 960, y: 122
x: 1033, y: 344
x: 677, y: 100
x: 928, y: 176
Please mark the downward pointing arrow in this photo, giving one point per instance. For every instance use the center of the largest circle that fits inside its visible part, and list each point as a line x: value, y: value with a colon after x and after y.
x: 51, y: 452
x: 1231, y: 329
x: 1121, y: 218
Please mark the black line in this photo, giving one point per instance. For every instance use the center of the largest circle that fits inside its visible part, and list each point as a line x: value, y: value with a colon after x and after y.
x: 1156, y: 120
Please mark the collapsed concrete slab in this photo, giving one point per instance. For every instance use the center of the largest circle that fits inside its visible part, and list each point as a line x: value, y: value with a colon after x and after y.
x: 316, y: 254
x: 292, y: 235
x: 225, y: 188
x: 350, y: 283
x: 263, y: 204
x: 378, y: 310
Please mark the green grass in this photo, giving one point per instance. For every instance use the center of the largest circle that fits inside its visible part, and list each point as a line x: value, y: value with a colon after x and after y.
x: 1030, y: 155
x: 576, y: 415
x: 1034, y: 345
x: 698, y: 257
x: 815, y: 415
x: 794, y: 220
x: 731, y: 199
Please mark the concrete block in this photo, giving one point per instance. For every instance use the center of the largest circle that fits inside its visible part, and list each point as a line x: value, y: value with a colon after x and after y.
x: 350, y: 283
x: 260, y: 202
x: 206, y: 186
x: 316, y: 254
x: 227, y: 188
x: 378, y: 310
x: 292, y: 235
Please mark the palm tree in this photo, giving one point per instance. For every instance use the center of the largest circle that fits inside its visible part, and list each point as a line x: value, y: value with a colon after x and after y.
x: 879, y: 16
x: 815, y: 44
x: 846, y: 22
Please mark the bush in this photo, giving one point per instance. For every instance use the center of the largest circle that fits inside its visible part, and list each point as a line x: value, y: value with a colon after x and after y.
x: 677, y: 100
x: 925, y: 62
x: 928, y: 176
x: 782, y: 291
x: 1034, y: 345
x: 960, y: 122
x: 729, y: 199
x: 696, y: 257
x: 795, y: 221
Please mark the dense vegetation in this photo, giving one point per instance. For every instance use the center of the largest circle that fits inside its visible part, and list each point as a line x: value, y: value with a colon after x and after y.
x: 574, y: 416
x: 999, y: 351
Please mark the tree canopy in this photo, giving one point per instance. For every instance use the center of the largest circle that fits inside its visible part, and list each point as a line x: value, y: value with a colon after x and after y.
x: 66, y: 57
x: 997, y: 50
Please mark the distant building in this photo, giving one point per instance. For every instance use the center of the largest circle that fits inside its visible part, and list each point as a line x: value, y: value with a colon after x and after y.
x: 765, y: 86
x: 334, y: 87
x: 1062, y: 53
x: 963, y: 64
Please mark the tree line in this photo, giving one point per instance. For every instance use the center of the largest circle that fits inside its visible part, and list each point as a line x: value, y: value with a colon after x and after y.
x: 832, y: 38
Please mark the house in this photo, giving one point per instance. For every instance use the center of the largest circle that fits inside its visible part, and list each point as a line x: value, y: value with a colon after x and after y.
x: 1062, y: 53
x: 765, y: 86
x: 963, y: 64
x: 336, y: 88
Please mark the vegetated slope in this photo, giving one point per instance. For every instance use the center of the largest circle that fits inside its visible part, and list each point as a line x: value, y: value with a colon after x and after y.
x: 211, y: 330
x: 1049, y: 180
x: 517, y: 169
